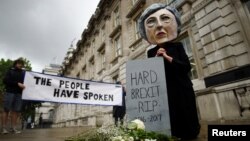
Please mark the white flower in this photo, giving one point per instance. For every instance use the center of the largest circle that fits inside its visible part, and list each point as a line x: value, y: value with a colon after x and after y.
x: 139, y: 123
x: 118, y: 138
x: 150, y: 140
x: 130, y: 139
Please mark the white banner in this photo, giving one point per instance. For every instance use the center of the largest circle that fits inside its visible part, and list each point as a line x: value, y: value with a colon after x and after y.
x: 42, y: 87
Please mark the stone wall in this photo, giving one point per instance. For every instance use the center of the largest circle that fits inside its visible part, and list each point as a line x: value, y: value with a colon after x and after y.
x: 226, y: 102
x: 222, y: 46
x: 219, y: 36
x: 218, y: 31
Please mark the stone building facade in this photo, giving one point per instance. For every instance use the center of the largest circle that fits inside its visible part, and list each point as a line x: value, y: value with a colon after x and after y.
x: 215, y: 34
x: 46, y: 110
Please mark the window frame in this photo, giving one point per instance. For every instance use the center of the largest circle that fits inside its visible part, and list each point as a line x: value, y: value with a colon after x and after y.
x: 134, y: 2
x: 103, y: 33
x: 169, y: 1
x: 186, y: 41
x: 136, y: 28
x: 103, y: 58
x: 92, y: 68
x: 246, y: 6
x: 118, y: 46
x: 93, y: 46
x: 117, y: 18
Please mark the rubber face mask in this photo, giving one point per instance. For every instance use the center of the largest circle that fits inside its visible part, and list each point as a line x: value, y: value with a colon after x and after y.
x: 161, y: 27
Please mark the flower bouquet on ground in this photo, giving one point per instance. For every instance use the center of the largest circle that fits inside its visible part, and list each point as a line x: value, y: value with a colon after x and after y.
x: 134, y: 131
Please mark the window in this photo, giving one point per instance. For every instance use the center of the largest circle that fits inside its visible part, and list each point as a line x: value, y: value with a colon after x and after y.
x: 115, y: 78
x: 247, y: 7
x: 78, y: 75
x: 118, y: 48
x: 84, y: 72
x: 87, y: 52
x: 103, y: 33
x: 51, y: 114
x: 93, y: 46
x: 134, y: 2
x: 187, y: 46
x: 116, y: 17
x: 103, y: 59
x: 92, y: 69
x: 136, y: 28
x: 169, y: 1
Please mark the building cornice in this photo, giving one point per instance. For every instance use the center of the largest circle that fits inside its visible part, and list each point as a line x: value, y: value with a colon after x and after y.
x: 179, y: 3
x: 101, y: 47
x: 200, y: 5
x: 116, y: 30
x: 137, y: 6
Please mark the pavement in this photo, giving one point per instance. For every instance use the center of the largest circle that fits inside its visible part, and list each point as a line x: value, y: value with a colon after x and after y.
x: 45, y: 134
x: 60, y: 134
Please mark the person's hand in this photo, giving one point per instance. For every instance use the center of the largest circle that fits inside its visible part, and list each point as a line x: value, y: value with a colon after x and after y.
x: 21, y: 85
x: 163, y: 52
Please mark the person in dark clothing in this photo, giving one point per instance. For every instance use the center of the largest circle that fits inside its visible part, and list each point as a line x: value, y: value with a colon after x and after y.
x: 160, y: 24
x: 41, y: 120
x: 13, y: 81
x: 120, y: 111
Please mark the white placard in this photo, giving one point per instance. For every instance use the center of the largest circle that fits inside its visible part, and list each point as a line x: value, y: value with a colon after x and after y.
x: 51, y: 88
